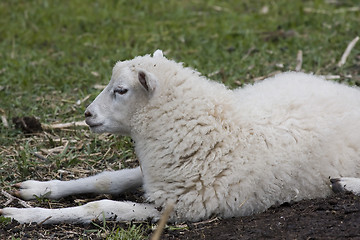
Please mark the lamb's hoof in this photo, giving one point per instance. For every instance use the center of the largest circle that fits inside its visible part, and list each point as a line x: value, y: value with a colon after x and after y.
x: 346, y: 184
x: 17, y: 185
x: 16, y: 194
x: 336, y: 185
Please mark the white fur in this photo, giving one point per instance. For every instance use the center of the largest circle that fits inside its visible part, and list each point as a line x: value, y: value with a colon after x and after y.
x: 105, y: 182
x: 218, y: 152
x: 98, y: 210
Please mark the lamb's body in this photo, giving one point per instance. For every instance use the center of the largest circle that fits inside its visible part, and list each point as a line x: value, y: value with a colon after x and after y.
x: 214, y: 151
x: 233, y: 153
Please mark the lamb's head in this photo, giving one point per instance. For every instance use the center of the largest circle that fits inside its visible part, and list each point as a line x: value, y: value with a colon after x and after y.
x: 130, y: 89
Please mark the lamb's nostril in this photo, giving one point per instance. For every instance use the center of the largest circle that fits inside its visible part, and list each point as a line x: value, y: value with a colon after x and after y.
x: 88, y: 113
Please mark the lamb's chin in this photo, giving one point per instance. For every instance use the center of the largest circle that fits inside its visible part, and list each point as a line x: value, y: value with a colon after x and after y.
x: 97, y: 129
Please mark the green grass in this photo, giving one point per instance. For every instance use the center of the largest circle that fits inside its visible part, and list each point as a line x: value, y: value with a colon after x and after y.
x: 54, y: 52
x: 133, y: 232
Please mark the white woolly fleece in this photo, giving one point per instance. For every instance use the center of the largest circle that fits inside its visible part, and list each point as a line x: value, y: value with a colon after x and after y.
x: 228, y: 153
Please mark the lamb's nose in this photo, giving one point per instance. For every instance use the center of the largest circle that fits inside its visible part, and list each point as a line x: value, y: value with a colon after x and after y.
x: 88, y: 114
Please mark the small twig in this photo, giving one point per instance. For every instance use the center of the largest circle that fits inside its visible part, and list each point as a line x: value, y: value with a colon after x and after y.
x: 8, y: 201
x: 64, y: 125
x: 350, y: 46
x: 299, y: 61
x: 106, y: 153
x: 7, y: 195
x: 165, y: 216
x: 206, y: 221
x: 21, y: 202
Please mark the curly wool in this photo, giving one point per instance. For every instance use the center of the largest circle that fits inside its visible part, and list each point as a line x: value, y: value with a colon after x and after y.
x: 215, y: 151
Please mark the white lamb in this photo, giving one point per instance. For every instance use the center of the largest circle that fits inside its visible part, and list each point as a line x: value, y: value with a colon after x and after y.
x: 210, y: 150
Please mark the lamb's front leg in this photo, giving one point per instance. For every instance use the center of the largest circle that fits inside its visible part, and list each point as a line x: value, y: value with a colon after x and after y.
x: 103, y: 209
x: 105, y: 182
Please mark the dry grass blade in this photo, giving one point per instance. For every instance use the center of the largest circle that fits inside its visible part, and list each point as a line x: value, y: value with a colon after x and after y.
x: 99, y: 87
x: 64, y: 125
x: 3, y: 118
x: 11, y: 198
x: 43, y: 221
x: 341, y: 10
x: 332, y: 77
x: 165, y: 216
x: 266, y: 76
x: 83, y: 100
x: 206, y: 221
x: 299, y: 61
x: 350, y: 46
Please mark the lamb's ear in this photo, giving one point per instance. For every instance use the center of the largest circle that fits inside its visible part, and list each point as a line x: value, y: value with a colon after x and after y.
x: 147, y: 80
x: 158, y: 53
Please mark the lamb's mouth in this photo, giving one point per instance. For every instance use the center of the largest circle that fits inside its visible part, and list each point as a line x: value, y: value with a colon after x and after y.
x: 93, y: 125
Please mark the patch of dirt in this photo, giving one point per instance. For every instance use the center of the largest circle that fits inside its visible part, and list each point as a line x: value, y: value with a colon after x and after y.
x: 27, y: 124
x: 336, y: 217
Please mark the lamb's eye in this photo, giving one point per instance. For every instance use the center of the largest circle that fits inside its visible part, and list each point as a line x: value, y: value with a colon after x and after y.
x: 120, y: 90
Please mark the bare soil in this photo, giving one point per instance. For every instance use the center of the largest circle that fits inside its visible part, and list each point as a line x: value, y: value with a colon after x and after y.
x: 336, y: 217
